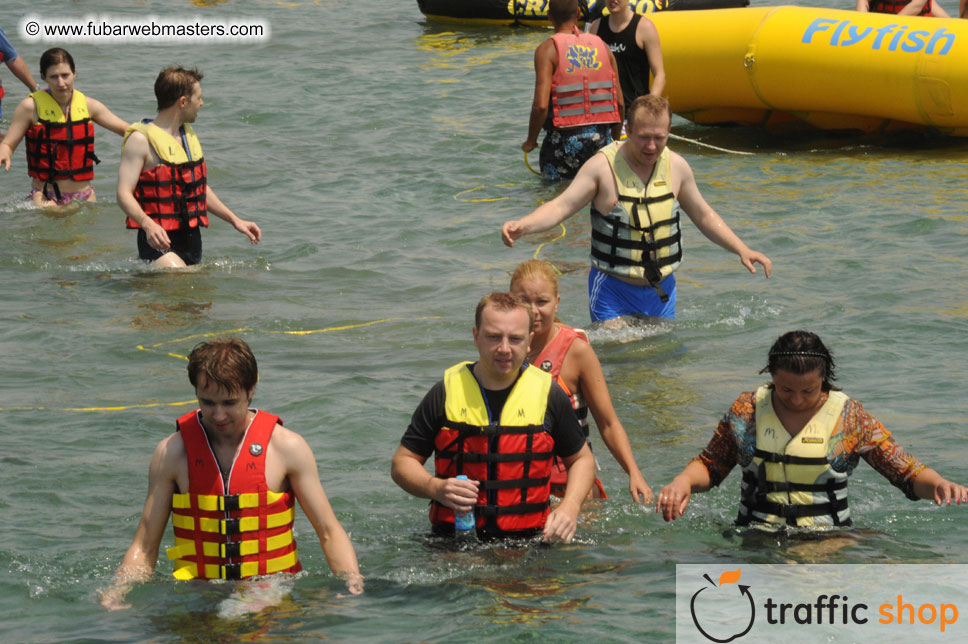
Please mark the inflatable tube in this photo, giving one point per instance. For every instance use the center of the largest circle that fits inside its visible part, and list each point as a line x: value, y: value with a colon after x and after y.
x: 534, y: 13
x: 835, y: 70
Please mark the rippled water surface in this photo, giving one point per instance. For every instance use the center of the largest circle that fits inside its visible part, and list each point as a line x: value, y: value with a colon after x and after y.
x: 380, y: 155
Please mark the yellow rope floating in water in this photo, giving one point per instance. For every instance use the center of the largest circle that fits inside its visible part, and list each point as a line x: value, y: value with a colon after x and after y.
x: 151, y: 348
x: 482, y: 200
x: 118, y: 408
x: 564, y: 231
x: 345, y: 327
x: 527, y: 163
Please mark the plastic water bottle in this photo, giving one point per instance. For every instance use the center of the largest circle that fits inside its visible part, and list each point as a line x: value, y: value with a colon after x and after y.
x: 464, y: 521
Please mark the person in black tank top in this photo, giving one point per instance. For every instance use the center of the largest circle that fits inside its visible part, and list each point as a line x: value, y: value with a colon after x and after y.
x: 635, y: 47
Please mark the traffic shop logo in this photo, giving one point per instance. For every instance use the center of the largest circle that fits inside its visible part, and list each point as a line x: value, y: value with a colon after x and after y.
x: 724, y: 592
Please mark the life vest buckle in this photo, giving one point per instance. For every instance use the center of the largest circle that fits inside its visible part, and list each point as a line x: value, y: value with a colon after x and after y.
x: 228, y: 503
x: 230, y: 550
x: 230, y: 526
x: 231, y: 571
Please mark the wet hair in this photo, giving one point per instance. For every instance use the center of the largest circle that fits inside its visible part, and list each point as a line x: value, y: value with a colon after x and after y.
x: 561, y: 11
x: 801, y: 352
x: 226, y: 362
x: 173, y: 83
x: 535, y: 269
x: 656, y: 106
x: 53, y: 57
x: 502, y: 302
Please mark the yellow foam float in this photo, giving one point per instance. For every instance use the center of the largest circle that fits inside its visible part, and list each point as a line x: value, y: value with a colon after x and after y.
x: 832, y: 69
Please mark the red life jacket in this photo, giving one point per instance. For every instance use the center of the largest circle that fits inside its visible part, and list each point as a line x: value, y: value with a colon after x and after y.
x: 550, y: 359
x: 234, y: 529
x: 60, y: 146
x: 895, y: 6
x: 553, y: 356
x: 584, y: 87
x: 173, y: 193
x: 510, y: 456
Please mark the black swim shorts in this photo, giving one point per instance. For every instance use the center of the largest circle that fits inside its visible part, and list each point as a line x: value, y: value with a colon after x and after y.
x: 187, y: 244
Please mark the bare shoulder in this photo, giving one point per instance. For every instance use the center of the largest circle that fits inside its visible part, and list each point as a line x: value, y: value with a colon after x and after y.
x: 546, y: 51
x: 170, y: 453
x: 646, y: 29
x: 26, y: 110
x: 593, y: 27
x: 582, y: 353
x: 94, y: 106
x: 678, y: 167
x: 288, y: 443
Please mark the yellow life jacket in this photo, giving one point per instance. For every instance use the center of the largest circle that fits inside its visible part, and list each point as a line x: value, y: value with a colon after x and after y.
x: 168, y: 149
x: 640, y: 237
x: 789, y: 480
x: 510, y: 456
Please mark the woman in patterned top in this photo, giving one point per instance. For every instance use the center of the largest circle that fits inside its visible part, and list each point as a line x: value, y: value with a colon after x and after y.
x: 797, y: 439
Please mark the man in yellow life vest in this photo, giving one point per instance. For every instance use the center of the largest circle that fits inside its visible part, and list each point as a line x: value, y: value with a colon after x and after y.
x: 500, y: 423
x: 635, y: 188
x: 163, y: 184
x: 229, y: 478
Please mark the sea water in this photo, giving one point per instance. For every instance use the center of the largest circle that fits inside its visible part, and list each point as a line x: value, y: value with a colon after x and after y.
x: 379, y: 153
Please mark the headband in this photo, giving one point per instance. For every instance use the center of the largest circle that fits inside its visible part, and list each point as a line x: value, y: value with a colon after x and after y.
x: 802, y: 354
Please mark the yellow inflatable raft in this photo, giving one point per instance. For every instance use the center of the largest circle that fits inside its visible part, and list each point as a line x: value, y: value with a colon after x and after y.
x: 839, y: 70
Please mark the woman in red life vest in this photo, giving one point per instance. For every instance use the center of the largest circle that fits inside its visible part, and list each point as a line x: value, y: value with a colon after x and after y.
x: 566, y: 354
x: 58, y: 124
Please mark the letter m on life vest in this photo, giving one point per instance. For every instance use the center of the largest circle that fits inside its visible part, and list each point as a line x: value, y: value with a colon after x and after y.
x: 520, y: 412
x: 581, y: 57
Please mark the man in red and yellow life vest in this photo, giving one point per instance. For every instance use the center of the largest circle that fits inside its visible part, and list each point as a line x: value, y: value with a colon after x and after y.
x: 500, y: 422
x: 163, y: 183
x: 577, y: 98
x: 229, y: 477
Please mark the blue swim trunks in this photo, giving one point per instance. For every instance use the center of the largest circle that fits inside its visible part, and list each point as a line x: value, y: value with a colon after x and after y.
x: 564, y: 151
x: 610, y: 297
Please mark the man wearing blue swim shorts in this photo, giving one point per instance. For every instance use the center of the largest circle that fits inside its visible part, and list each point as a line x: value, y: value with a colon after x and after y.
x: 636, y: 189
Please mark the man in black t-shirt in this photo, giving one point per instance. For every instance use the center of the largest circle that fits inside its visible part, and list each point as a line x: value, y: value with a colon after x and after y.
x: 499, y: 422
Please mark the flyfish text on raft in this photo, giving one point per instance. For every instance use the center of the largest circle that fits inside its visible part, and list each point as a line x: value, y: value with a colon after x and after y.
x: 889, y: 37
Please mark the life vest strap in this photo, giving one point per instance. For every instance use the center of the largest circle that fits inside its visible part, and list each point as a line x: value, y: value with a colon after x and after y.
x: 515, y: 483
x: 792, y: 511
x: 216, y: 503
x: 238, y: 570
x: 228, y: 550
x: 466, y: 430
x: 494, y: 511
x: 235, y: 525
x: 764, y: 486
x: 773, y: 457
x: 475, y: 457
x: 645, y: 244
